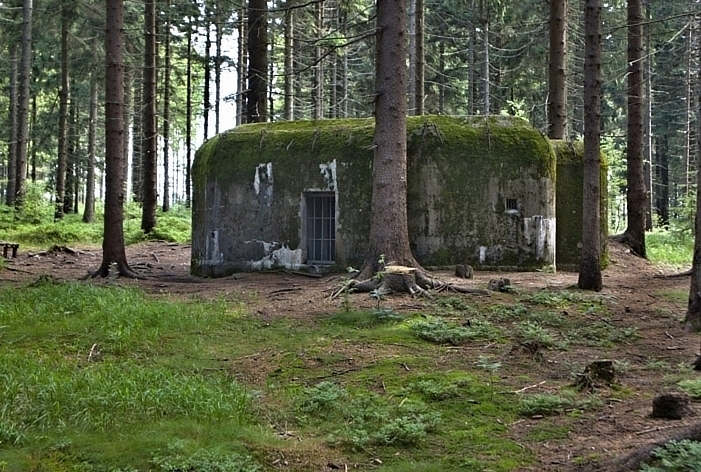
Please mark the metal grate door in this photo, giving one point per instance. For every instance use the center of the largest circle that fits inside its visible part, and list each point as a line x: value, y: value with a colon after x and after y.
x: 321, y: 228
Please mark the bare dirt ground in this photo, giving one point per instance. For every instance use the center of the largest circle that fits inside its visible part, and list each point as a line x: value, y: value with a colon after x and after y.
x: 636, y: 290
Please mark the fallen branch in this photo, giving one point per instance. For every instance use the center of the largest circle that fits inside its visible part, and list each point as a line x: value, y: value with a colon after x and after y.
x: 521, y: 390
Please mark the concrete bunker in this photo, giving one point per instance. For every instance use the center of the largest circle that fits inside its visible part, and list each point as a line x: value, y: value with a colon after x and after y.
x: 296, y: 195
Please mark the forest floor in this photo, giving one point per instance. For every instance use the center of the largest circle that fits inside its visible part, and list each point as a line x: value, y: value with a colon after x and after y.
x: 638, y: 294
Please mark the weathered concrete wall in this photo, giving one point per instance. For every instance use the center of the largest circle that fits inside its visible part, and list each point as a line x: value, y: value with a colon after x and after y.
x: 250, y: 182
x: 570, y: 175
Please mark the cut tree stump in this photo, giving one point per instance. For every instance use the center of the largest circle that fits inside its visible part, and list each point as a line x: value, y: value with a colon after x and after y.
x: 597, y: 374
x: 671, y: 406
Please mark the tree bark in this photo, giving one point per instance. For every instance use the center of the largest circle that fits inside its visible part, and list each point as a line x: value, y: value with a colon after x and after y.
x: 389, y: 233
x: 89, y: 212
x: 218, y: 26
x: 590, y: 265
x: 485, y: 70
x: 662, y: 174
x: 634, y: 235
x: 692, y: 320
x: 557, y: 71
x: 23, y: 104
x: 420, y: 65
x: 166, y: 117
x: 318, y: 88
x: 188, y: 118
x: 411, y: 77
x: 149, y: 160
x: 64, y: 93
x: 113, y: 248
x: 288, y: 113
x: 256, y: 110
x: 12, y: 138
x: 241, y: 68
x: 207, y: 104
x: 137, y: 141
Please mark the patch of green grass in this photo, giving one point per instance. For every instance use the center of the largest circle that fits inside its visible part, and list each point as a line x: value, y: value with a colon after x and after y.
x: 366, y: 319
x: 562, y: 298
x: 674, y: 296
x: 546, y: 431
x: 93, y: 368
x: 601, y: 333
x: 533, y: 333
x: 34, y: 226
x: 440, y: 331
x: 691, y: 387
x: 548, y: 404
x: 670, y: 247
x: 365, y: 419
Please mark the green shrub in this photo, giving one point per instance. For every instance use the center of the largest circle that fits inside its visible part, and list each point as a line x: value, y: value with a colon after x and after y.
x: 692, y: 387
x: 552, y: 404
x: 676, y: 456
x: 175, y: 459
x: 445, y: 332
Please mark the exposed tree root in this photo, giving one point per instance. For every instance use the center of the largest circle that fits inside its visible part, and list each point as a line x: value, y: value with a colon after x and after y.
x: 114, y: 270
x: 401, y: 279
x: 677, y: 274
x: 635, y: 459
x: 626, y: 240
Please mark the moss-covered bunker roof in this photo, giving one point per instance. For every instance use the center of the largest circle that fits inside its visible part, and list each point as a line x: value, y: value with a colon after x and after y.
x: 501, y: 139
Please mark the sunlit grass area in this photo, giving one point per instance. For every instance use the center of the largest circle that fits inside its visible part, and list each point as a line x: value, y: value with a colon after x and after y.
x: 106, y: 378
x: 34, y: 226
x: 670, y: 247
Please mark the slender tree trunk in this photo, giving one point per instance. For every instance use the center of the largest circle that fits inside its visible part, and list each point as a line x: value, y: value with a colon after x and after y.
x: 420, y: 66
x: 166, y: 118
x: 34, y: 154
x: 648, y: 133
x: 256, y: 110
x: 12, y: 139
x: 89, y: 212
x: 686, y: 150
x: 23, y: 104
x: 590, y: 266
x: 126, y: 109
x: 471, y: 66
x: 389, y: 234
x: 113, y: 247
x: 693, y: 313
x: 207, y: 105
x: 441, y: 78
x: 557, y: 71
x: 318, y: 88
x: 411, y: 75
x: 71, y: 156
x: 188, y: 118
x: 149, y: 125
x: 288, y: 113
x: 485, y: 73
x: 64, y: 93
x: 241, y: 69
x: 662, y: 168
x: 77, y: 164
x: 634, y: 235
x: 218, y: 26
x: 137, y: 133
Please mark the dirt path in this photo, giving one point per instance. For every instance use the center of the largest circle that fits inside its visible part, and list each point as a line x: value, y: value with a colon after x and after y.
x: 637, y: 295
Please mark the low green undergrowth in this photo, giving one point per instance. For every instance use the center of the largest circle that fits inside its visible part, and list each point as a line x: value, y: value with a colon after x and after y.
x: 34, y: 226
x: 675, y: 456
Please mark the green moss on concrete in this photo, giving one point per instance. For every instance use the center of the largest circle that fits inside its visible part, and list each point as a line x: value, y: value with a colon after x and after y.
x: 500, y: 148
x: 570, y: 169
